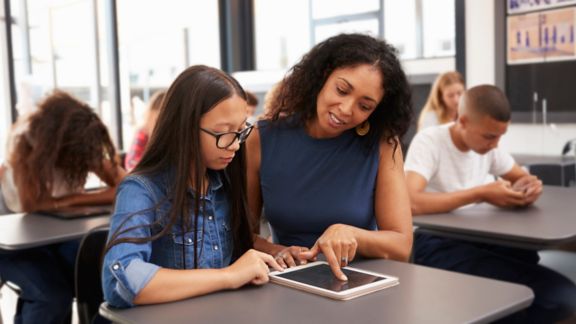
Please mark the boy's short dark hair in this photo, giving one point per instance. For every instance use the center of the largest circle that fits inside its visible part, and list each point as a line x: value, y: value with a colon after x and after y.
x: 488, y: 100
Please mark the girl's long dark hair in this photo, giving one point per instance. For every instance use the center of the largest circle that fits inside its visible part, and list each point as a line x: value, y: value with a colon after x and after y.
x: 300, y: 88
x: 175, y: 145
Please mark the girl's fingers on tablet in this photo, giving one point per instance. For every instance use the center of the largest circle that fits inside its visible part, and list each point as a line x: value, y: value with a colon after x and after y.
x: 272, y: 262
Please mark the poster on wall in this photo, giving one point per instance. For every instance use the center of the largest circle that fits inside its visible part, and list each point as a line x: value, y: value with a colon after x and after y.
x: 541, y: 36
x: 519, y: 6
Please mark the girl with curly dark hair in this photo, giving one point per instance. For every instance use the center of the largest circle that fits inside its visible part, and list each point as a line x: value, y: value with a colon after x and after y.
x: 50, y: 153
x: 327, y: 165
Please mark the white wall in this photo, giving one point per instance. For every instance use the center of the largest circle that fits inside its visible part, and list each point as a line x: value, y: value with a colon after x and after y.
x: 537, y: 139
x: 480, y: 68
x: 480, y: 42
x: 429, y: 66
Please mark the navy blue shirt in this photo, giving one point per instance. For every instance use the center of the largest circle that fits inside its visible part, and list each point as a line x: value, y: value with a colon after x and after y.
x: 309, y: 184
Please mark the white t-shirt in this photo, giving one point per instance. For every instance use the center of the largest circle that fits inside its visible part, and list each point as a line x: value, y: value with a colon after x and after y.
x: 433, y: 155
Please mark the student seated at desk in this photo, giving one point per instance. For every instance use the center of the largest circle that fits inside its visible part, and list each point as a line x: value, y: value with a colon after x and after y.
x: 449, y: 167
x: 180, y: 227
x: 143, y: 133
x: 442, y: 104
x: 327, y: 165
x: 50, y: 153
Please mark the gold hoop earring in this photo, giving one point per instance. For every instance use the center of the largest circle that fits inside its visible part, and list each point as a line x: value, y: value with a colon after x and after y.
x: 363, y: 128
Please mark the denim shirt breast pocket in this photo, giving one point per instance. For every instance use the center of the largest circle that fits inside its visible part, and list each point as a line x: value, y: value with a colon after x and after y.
x: 183, y: 248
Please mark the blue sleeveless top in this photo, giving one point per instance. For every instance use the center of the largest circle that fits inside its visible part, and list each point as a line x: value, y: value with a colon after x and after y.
x: 309, y: 184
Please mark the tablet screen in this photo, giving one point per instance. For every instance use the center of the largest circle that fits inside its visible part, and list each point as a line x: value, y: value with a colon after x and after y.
x: 321, y: 276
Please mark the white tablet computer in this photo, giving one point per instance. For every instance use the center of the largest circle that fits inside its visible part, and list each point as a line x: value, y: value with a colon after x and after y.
x: 317, y: 278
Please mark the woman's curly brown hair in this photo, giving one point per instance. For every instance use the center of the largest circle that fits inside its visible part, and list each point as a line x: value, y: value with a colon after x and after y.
x: 63, y: 134
x: 300, y: 88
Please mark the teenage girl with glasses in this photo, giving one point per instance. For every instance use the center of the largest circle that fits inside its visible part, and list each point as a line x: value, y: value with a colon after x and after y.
x: 180, y: 226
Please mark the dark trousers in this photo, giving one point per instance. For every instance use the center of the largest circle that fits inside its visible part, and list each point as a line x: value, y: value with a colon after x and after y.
x: 555, y: 295
x: 45, y: 276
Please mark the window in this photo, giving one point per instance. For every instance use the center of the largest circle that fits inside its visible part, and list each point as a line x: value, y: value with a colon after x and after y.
x: 55, y: 47
x: 287, y: 30
x: 282, y: 32
x: 438, y: 28
x: 333, y: 17
x: 400, y: 27
x: 367, y: 26
x: 157, y: 41
x: 333, y: 8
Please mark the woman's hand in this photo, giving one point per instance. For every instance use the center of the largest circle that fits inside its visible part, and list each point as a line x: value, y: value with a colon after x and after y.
x: 251, y: 267
x: 338, y: 244
x: 291, y: 256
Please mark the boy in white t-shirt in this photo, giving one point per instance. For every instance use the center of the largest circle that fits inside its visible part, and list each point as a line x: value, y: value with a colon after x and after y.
x: 454, y: 165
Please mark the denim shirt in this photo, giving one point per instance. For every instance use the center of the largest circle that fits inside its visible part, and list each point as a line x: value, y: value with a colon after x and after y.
x: 128, y: 267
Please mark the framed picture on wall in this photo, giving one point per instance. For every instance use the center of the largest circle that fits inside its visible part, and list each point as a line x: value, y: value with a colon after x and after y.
x: 520, y: 6
x: 544, y: 36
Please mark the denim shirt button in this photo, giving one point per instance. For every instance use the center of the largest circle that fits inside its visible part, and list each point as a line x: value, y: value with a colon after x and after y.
x: 215, y: 247
x: 116, y: 266
x: 189, y: 240
x: 210, y: 217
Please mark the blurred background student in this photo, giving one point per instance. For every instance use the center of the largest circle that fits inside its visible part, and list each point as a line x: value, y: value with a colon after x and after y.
x: 143, y: 133
x: 50, y: 153
x: 442, y: 104
x: 252, y: 102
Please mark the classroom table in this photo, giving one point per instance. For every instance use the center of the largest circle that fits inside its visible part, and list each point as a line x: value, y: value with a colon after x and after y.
x: 22, y: 231
x: 549, y: 222
x: 557, y: 170
x: 529, y: 159
x: 424, y: 295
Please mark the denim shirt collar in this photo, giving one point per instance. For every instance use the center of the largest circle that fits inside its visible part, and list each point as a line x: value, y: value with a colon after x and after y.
x: 215, y: 177
x: 214, y: 185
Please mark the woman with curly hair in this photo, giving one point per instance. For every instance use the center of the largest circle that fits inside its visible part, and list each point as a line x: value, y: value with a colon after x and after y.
x: 327, y: 165
x: 442, y: 104
x: 50, y: 153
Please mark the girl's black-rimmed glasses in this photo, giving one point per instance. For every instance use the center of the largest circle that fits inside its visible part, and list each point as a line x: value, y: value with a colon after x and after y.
x: 224, y: 140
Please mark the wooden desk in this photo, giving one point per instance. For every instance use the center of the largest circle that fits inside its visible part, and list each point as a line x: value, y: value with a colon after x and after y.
x: 550, y: 221
x: 424, y: 295
x: 22, y: 231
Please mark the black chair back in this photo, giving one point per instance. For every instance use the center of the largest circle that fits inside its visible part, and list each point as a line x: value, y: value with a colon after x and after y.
x: 87, y: 275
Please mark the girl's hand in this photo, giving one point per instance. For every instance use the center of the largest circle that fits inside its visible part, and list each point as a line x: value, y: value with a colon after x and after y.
x: 50, y: 204
x: 338, y: 244
x: 251, y: 267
